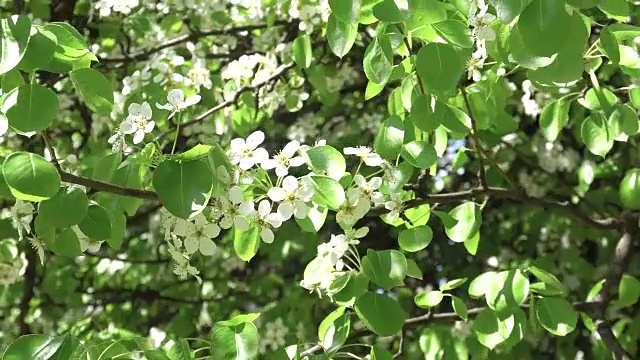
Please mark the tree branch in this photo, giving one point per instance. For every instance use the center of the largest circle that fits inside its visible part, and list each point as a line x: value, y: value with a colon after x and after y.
x: 194, y: 36
x: 571, y: 211
x: 474, y: 136
x: 28, y: 290
x: 617, y: 267
x: 431, y: 318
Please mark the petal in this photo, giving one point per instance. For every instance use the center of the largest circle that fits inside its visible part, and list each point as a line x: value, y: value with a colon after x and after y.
x: 276, y: 194
x: 127, y: 127
x: 290, y: 149
x: 301, y: 210
x: 260, y: 155
x: 164, y: 107
x: 207, y: 247
x: 350, y: 151
x: 246, y: 208
x: 255, y: 139
x: 296, y: 161
x: 269, y: 164
x: 149, y: 127
x: 138, y: 137
x: 281, y: 170
x: 246, y: 163
x: 290, y: 184
x: 191, y: 245
x: 191, y: 100
x: 146, y: 110
x: 360, y: 233
x: 237, y: 144
x: 175, y: 97
x: 285, y: 210
x: 211, y: 230
x: 235, y: 195
x: 274, y: 220
x: 264, y: 208
x: 241, y: 223
x: 135, y: 109
x: 266, y: 235
x: 359, y: 180
x: 375, y: 183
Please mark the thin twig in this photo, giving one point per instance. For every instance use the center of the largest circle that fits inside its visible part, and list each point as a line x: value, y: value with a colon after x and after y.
x: 474, y: 136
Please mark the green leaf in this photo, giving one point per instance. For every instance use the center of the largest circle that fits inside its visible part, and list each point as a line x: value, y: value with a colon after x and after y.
x: 314, y: 220
x: 118, y: 228
x: 94, y: 89
x: 390, y: 137
x: 554, y: 117
x: 415, y: 239
x: 429, y: 299
x: 180, y: 350
x: 341, y: 35
x: 628, y: 291
x: 556, y: 315
x: 68, y: 207
x: 386, y: 268
x: 380, y: 313
x: 609, y: 44
x: 543, y: 19
x: 184, y: 188
x: 452, y: 284
x: 63, y: 242
x: 33, y: 347
x: 454, y: 32
x: 597, y: 135
x: 14, y: 40
x: 334, y: 329
x: 235, y: 343
x: 545, y: 289
x: 507, y: 290
x: 40, y: 50
x: 387, y: 11
x: 454, y: 119
x: 377, y: 65
x: 328, y: 192
x: 546, y: 277
x: 508, y: 10
x: 30, y: 107
x: 419, y: 154
x: 71, y: 52
x: 478, y: 287
x: 425, y: 114
x: 356, y: 285
x: 106, y: 167
x: 327, y: 160
x: 239, y: 319
x: 469, y: 217
x: 413, y: 270
x: 490, y: 329
x: 439, y: 67
x: 459, y: 307
x: 246, y: 243
x: 380, y: 353
x: 345, y: 10
x: 302, y: 52
x: 30, y: 177
x: 97, y: 223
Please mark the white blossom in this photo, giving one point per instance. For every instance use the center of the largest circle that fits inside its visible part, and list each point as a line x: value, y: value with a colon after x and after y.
x: 246, y: 154
x: 233, y: 208
x: 352, y: 210
x: 293, y: 198
x: 369, y: 157
x: 138, y: 122
x: 21, y: 215
x: 366, y: 190
x: 177, y: 102
x: 285, y: 159
x: 264, y: 218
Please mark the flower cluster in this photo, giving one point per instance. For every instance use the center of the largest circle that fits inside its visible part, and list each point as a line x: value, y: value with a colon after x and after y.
x: 482, y: 32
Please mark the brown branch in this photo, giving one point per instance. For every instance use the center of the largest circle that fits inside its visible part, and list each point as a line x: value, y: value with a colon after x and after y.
x: 617, y: 267
x: 107, y: 187
x: 474, y: 136
x: 448, y: 317
x: 283, y: 69
x: 28, y: 290
x: 194, y: 36
x: 501, y: 193
x: 48, y: 144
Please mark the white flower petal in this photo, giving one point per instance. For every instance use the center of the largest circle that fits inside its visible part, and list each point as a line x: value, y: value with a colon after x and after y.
x: 246, y: 208
x: 235, y: 195
x: 264, y: 208
x: 290, y: 149
x: 285, y: 210
x: 276, y: 194
x: 175, y: 97
x: 266, y: 235
x: 241, y: 223
x: 207, y: 247
x: 255, y: 139
x: 290, y: 184
x: 191, y: 245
